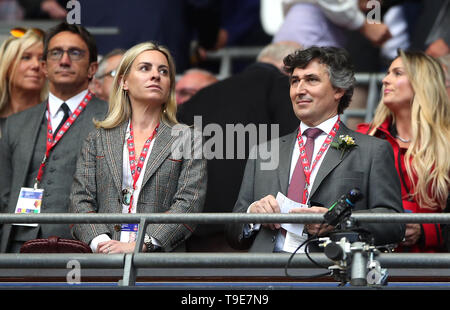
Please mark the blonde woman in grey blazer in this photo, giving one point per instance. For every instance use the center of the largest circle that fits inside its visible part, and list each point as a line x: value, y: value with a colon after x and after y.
x: 143, y: 98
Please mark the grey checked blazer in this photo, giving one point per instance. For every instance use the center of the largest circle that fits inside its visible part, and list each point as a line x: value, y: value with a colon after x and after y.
x: 170, y: 185
x: 368, y: 166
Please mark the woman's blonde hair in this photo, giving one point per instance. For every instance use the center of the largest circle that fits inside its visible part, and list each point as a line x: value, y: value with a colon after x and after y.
x: 119, y: 103
x: 427, y: 157
x: 11, y: 52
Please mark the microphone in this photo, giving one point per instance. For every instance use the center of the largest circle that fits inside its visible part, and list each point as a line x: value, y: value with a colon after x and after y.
x: 342, y: 208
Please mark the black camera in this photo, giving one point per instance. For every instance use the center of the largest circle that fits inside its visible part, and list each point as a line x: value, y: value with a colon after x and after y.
x: 342, y: 208
x: 350, y: 247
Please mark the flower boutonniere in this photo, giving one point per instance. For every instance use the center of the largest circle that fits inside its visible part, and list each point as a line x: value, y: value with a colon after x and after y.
x: 343, y: 144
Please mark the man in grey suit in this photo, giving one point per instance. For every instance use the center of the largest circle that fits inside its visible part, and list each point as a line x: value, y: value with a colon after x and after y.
x: 33, y: 154
x: 321, y: 86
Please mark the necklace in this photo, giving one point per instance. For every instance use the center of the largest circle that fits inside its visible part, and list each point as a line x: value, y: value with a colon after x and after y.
x: 403, y: 140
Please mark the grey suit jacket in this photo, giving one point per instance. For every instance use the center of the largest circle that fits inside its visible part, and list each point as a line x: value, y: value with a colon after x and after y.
x: 368, y: 166
x: 171, y: 184
x: 22, y: 146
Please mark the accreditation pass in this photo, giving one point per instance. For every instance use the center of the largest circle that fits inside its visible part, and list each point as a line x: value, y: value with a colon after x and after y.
x: 29, y: 202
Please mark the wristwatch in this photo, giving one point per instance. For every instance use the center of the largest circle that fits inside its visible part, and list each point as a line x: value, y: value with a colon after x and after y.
x: 149, y: 246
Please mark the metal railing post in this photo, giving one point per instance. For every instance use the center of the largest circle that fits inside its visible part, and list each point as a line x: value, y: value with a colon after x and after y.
x: 372, y: 97
x: 129, y: 272
x: 129, y: 269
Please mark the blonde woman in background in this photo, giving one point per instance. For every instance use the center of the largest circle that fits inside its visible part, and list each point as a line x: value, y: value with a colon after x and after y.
x: 414, y: 116
x: 22, y: 81
x: 110, y: 176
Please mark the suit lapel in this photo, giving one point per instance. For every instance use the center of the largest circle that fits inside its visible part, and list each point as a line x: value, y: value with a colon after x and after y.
x: 331, y: 159
x: 113, y: 140
x: 286, y: 151
x: 160, y: 150
x: 32, y: 134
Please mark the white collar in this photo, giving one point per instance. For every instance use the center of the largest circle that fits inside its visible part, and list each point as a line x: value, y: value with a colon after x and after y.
x: 55, y: 103
x: 325, y: 126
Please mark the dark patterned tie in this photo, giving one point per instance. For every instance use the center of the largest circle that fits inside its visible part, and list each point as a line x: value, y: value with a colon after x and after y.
x: 66, y: 111
x: 297, y: 184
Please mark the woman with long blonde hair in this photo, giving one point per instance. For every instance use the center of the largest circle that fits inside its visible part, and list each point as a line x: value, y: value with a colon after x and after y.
x: 111, y: 176
x: 22, y: 81
x: 414, y: 116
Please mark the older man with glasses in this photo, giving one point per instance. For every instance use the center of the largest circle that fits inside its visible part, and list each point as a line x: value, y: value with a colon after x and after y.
x: 40, y: 146
x: 101, y: 85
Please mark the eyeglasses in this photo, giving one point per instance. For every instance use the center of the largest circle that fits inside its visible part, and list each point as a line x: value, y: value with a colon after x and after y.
x: 75, y: 54
x: 19, y: 32
x: 111, y: 73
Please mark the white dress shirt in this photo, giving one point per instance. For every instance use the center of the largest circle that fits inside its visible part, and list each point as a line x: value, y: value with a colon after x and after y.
x: 326, y: 128
x: 54, y: 107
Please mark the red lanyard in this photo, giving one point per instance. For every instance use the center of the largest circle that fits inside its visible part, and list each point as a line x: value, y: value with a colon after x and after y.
x: 136, y: 170
x: 306, y: 166
x: 50, y: 144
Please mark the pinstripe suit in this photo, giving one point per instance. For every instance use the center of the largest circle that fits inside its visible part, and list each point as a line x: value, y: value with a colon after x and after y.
x: 169, y: 185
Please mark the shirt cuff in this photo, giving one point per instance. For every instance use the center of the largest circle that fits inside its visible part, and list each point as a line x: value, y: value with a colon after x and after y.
x: 248, y: 209
x: 100, y: 238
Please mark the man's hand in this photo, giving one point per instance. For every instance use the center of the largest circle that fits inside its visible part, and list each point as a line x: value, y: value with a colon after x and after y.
x: 267, y: 204
x: 376, y: 33
x: 438, y: 48
x: 313, y: 229
x: 222, y: 38
x: 53, y: 9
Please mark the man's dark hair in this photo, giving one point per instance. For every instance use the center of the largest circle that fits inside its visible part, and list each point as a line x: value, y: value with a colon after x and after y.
x: 77, y: 29
x: 340, y: 68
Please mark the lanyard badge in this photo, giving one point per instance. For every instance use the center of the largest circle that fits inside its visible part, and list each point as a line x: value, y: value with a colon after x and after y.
x: 136, y: 165
x: 129, y: 231
x: 29, y: 202
x: 30, y: 199
x: 307, y: 167
x: 50, y: 143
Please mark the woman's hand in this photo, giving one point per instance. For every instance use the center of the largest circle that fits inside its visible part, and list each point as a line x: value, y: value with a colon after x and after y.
x: 114, y: 247
x: 412, y: 234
